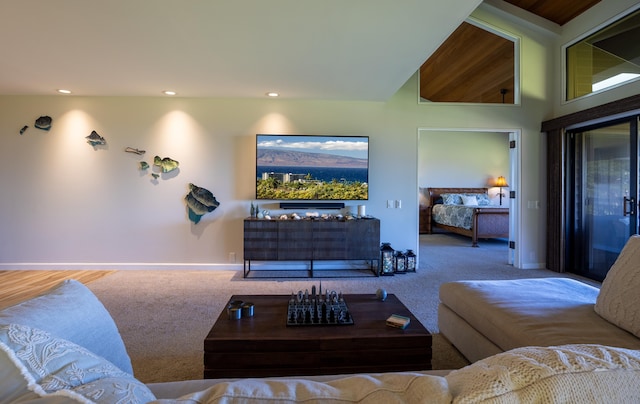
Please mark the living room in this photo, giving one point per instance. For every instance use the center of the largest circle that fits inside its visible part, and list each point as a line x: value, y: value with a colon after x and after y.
x: 71, y: 205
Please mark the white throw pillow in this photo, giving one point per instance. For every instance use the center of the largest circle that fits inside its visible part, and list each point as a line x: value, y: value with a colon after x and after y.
x: 36, y: 364
x: 560, y: 374
x: 469, y: 200
x: 400, y: 387
x: 619, y: 299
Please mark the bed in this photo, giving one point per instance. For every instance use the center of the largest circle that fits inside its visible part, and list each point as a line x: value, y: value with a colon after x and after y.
x: 475, y: 221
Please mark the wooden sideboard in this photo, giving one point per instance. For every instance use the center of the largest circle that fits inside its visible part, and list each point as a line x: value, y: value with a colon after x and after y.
x: 311, y: 240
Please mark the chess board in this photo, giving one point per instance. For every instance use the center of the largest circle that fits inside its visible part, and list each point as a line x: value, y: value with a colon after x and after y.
x: 318, y: 311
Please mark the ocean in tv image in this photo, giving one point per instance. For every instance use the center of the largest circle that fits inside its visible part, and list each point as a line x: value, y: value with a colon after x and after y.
x: 326, y: 174
x: 291, y: 167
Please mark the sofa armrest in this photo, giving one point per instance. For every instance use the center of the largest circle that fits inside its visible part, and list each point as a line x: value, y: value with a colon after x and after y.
x: 71, y: 311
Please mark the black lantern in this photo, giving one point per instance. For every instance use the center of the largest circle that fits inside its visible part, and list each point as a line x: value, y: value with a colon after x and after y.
x: 386, y: 259
x: 400, y: 263
x: 411, y: 261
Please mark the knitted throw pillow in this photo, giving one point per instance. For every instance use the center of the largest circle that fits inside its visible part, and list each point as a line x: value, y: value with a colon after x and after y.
x: 561, y: 374
x: 619, y: 299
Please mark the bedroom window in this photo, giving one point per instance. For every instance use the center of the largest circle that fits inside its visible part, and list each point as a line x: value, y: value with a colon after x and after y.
x: 608, y: 58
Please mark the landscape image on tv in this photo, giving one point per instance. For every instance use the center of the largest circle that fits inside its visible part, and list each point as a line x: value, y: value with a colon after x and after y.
x: 306, y: 167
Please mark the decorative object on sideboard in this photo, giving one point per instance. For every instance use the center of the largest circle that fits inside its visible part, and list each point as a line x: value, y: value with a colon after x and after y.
x: 386, y: 259
x: 411, y: 261
x: 501, y: 182
x: 362, y: 211
x: 94, y: 139
x: 399, y: 263
x: 200, y: 201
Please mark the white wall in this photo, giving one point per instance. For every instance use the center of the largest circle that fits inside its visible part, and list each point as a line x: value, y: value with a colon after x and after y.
x: 462, y: 159
x: 65, y: 204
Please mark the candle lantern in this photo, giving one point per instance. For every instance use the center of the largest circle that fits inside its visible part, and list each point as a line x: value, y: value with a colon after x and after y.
x: 411, y: 261
x: 386, y: 259
x: 400, y: 263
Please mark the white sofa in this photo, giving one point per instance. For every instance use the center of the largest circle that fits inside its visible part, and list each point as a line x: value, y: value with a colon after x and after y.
x: 483, y: 318
x: 63, y: 346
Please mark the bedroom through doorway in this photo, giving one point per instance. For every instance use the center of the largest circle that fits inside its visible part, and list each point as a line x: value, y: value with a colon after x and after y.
x: 472, y: 158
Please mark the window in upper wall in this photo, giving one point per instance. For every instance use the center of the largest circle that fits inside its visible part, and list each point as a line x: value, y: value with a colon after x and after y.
x: 605, y: 59
x: 476, y: 64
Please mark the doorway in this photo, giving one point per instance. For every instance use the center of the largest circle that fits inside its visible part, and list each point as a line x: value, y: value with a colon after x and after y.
x: 602, y: 206
x: 509, y: 137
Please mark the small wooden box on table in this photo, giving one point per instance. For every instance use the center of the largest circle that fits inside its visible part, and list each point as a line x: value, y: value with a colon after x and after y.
x: 262, y: 345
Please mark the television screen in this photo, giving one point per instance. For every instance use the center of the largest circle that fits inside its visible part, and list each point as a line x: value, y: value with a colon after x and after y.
x: 310, y: 167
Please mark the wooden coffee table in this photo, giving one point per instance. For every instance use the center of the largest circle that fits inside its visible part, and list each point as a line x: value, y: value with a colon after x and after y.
x: 263, y: 345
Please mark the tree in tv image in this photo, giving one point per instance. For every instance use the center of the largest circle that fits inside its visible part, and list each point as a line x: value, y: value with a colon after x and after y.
x: 311, y: 167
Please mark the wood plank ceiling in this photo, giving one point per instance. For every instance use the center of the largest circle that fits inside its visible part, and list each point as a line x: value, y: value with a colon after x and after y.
x: 477, y: 66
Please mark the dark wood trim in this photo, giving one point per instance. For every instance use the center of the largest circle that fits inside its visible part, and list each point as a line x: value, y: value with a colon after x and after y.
x: 601, y: 111
x: 555, y: 201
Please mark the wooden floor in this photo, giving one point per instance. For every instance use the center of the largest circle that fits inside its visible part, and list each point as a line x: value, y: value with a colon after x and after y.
x: 16, y: 286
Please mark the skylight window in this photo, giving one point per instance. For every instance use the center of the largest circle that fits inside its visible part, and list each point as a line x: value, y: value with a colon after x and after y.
x: 614, y: 81
x: 608, y: 58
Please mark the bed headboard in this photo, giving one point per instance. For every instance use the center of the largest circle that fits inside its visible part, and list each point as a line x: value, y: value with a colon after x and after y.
x: 434, y: 193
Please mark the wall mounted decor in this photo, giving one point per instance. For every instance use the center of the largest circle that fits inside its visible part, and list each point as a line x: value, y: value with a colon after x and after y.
x: 44, y: 123
x: 24, y: 129
x: 144, y: 165
x: 94, y: 139
x: 200, y: 201
x: 166, y: 164
x: 135, y: 151
x: 155, y: 176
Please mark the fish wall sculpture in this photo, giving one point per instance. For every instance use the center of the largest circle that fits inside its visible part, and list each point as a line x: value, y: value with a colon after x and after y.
x: 200, y: 201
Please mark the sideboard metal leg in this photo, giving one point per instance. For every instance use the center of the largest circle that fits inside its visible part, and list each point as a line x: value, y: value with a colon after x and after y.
x: 245, y: 271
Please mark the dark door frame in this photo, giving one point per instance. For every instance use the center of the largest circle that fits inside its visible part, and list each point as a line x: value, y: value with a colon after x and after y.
x: 555, y: 130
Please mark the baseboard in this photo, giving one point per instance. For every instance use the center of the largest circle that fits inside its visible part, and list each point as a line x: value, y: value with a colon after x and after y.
x: 117, y: 266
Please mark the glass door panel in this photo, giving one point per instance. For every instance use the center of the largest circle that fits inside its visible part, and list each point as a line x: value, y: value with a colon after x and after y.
x: 605, y: 198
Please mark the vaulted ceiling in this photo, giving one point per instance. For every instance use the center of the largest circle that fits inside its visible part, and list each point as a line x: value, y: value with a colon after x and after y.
x: 558, y: 11
x: 334, y: 49
x: 476, y: 66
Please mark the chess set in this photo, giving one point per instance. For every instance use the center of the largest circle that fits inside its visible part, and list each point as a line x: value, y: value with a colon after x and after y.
x: 316, y: 308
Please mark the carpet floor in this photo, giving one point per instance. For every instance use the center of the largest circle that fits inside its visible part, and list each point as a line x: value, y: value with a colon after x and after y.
x: 164, y: 315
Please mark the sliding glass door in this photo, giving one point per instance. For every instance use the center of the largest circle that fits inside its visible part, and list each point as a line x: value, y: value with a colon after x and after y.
x: 603, y: 195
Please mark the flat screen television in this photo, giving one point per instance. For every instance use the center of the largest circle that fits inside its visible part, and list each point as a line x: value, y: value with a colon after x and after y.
x: 312, y: 167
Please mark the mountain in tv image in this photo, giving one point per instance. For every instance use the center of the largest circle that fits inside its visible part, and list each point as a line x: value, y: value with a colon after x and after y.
x: 279, y: 158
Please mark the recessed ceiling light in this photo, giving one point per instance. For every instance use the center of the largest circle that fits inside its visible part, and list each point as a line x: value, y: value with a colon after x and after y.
x: 62, y: 91
x: 272, y: 94
x: 169, y: 92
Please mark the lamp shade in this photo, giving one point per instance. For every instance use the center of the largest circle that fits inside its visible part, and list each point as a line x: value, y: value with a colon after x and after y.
x: 501, y: 182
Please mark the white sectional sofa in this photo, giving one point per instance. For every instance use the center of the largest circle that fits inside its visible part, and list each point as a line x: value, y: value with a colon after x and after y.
x: 63, y: 347
x: 483, y: 318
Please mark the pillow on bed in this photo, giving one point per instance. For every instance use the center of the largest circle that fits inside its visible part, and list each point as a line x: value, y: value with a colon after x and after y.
x: 451, y: 199
x: 483, y: 199
x: 469, y: 200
